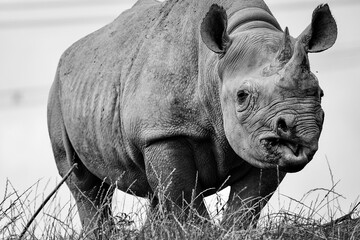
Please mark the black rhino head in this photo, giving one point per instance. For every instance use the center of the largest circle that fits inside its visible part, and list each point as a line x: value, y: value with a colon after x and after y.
x: 270, y: 100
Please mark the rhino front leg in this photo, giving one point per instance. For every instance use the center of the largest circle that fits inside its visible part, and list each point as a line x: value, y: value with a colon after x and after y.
x: 172, y: 175
x: 248, y: 197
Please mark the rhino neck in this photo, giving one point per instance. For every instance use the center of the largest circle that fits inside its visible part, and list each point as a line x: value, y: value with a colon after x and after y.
x: 208, y: 98
x: 251, y: 17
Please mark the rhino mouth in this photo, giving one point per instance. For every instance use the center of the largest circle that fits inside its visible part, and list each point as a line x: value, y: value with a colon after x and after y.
x: 273, y: 144
x: 289, y: 155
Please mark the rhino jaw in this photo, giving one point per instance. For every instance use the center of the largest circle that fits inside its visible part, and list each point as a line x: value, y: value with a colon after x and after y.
x: 289, y: 156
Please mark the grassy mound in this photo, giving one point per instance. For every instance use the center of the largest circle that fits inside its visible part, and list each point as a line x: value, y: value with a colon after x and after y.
x: 56, y: 221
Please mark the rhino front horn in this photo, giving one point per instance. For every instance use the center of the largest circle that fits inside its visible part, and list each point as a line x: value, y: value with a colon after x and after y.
x: 297, y: 69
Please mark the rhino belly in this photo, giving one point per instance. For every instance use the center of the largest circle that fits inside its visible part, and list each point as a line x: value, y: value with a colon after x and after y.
x: 92, y: 120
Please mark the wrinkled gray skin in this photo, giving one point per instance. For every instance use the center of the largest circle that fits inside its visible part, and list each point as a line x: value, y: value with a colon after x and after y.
x: 187, y: 97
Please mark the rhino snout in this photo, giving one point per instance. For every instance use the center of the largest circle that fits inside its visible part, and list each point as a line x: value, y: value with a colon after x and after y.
x: 292, y: 144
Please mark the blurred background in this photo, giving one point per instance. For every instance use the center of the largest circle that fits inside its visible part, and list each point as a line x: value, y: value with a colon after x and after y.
x: 34, y: 34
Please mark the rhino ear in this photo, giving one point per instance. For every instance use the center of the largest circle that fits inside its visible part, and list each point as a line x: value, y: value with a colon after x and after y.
x: 321, y: 34
x: 213, y: 30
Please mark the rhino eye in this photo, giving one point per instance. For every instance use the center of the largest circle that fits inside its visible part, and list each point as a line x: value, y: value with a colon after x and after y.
x: 242, y: 95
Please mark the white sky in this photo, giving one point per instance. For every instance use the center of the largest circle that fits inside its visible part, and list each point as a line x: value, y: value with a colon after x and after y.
x: 32, y: 40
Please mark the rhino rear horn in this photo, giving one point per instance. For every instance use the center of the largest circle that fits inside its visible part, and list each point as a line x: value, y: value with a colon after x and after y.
x: 213, y: 30
x: 321, y: 34
x: 285, y: 51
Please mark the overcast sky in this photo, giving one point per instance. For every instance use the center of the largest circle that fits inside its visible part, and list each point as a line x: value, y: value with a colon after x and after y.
x: 34, y: 34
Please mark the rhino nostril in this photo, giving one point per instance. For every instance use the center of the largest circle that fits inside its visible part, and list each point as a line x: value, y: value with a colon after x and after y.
x: 282, y: 126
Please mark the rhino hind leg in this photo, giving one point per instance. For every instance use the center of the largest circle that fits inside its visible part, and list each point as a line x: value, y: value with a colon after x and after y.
x: 92, y: 195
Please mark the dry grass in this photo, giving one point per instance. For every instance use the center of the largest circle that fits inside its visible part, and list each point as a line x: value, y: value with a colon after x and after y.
x: 56, y: 221
x: 16, y: 210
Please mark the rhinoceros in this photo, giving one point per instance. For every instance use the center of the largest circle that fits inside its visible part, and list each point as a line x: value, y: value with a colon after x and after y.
x: 183, y: 98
